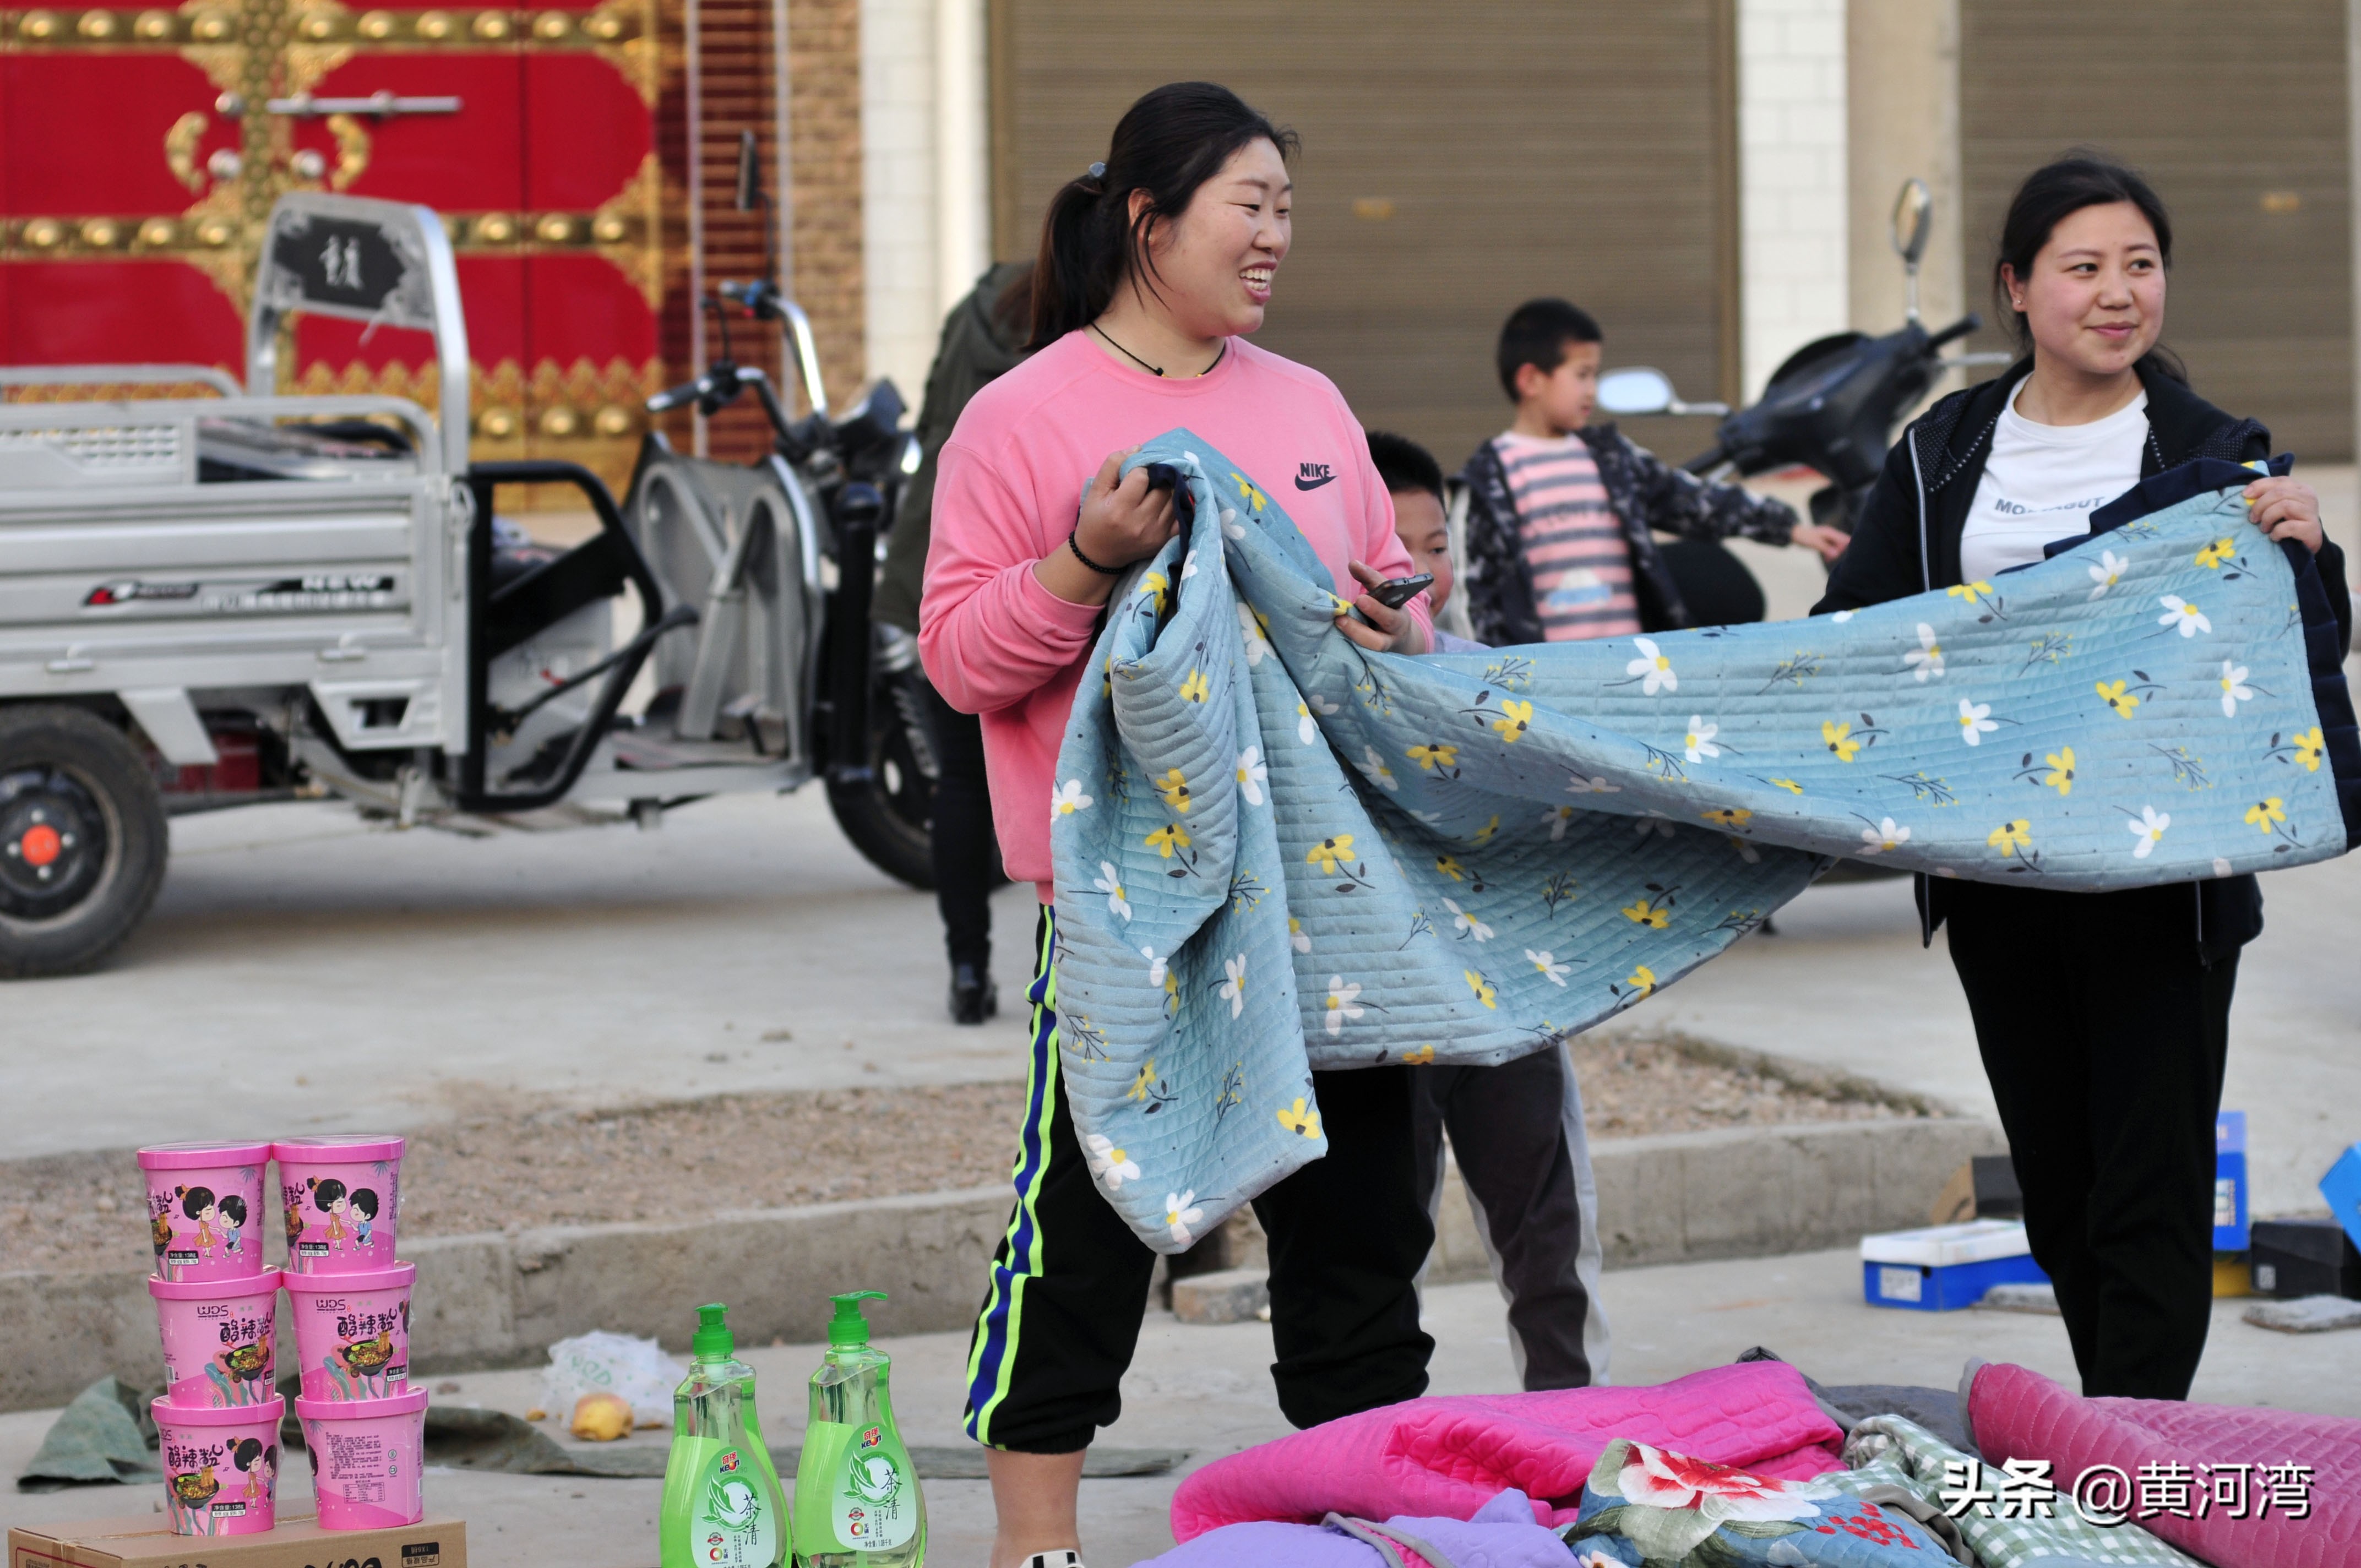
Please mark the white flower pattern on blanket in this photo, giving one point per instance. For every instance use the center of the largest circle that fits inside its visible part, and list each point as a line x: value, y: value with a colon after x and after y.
x: 1339, y: 859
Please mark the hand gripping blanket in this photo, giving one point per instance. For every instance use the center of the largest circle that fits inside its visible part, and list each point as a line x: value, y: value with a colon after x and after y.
x: 1276, y: 851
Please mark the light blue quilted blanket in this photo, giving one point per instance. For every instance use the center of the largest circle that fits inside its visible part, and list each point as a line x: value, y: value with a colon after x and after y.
x: 1276, y: 851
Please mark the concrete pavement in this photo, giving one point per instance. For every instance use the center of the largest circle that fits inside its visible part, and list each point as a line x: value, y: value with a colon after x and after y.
x: 1207, y: 1389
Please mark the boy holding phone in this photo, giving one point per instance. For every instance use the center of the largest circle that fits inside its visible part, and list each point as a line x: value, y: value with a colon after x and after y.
x: 1516, y: 1128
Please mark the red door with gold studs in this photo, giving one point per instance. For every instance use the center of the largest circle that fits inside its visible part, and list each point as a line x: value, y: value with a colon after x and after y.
x: 141, y: 148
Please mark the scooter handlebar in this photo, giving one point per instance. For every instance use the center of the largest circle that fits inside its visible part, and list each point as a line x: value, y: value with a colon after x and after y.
x: 1957, y: 330
x: 678, y: 397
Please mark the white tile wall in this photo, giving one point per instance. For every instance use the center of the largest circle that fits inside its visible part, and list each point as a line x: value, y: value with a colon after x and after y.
x: 897, y: 137
x: 1793, y: 194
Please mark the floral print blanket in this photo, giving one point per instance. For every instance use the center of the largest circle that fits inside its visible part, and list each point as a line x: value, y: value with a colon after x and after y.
x: 1649, y: 1507
x: 1276, y: 851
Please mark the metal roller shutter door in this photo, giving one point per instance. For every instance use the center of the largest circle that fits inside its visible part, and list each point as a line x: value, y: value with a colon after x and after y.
x: 2237, y: 116
x: 1457, y: 159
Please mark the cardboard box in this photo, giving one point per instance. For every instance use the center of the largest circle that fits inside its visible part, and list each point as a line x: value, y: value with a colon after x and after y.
x: 1945, y: 1266
x: 2304, y: 1257
x: 2230, y: 1181
x: 147, y: 1542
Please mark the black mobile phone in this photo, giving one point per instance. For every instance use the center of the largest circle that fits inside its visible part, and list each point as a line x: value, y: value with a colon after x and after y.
x: 1396, y: 592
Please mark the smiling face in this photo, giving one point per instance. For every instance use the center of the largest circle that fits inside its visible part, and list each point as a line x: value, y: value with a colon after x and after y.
x: 2093, y: 298
x: 1213, y: 266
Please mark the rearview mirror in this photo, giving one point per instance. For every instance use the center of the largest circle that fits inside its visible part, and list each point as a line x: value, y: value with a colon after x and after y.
x: 1636, y: 390
x: 750, y: 173
x: 1914, y: 220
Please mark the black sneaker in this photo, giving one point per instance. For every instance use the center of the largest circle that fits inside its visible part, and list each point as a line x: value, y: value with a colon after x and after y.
x: 974, y: 996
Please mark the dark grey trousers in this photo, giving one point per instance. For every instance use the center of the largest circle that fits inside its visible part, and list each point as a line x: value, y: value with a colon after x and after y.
x: 1516, y: 1131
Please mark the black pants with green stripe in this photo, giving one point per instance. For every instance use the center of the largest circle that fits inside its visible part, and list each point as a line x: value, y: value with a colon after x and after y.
x: 1061, y: 1314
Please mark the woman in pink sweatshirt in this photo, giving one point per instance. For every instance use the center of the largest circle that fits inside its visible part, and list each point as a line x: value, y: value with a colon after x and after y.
x: 1154, y: 266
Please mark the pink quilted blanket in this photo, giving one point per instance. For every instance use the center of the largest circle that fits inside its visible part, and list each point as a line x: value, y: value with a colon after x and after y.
x: 2019, y: 1414
x: 1449, y: 1456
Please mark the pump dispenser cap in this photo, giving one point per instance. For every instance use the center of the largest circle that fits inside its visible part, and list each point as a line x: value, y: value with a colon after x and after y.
x: 713, y: 1340
x: 848, y: 1327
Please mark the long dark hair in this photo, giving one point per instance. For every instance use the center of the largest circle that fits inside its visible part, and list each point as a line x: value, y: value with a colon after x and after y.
x: 1168, y: 144
x: 2052, y: 193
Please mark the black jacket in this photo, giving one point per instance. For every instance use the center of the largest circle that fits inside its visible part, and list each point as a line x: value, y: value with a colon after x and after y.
x: 977, y: 346
x: 1907, y: 542
x: 1643, y: 491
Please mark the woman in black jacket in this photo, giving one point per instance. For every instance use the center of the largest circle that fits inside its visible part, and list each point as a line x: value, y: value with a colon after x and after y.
x: 2103, y: 1018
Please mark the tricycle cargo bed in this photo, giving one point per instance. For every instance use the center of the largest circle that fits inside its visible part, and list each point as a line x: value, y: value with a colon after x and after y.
x: 140, y: 549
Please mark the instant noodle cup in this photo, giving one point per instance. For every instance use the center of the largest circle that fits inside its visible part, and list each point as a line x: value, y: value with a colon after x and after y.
x: 352, y: 1332
x: 217, y: 1340
x: 366, y: 1456
x: 340, y: 1196
x: 205, y: 1209
x: 221, y: 1466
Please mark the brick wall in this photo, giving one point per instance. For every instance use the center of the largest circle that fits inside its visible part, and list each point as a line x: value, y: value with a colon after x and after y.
x: 736, y: 52
x: 1793, y: 185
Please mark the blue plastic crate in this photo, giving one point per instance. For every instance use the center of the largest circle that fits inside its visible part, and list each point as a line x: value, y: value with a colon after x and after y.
x: 2231, y: 1229
x: 2342, y: 1188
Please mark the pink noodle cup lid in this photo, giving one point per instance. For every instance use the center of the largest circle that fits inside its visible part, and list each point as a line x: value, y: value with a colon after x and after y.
x: 203, y: 1155
x: 266, y: 1413
x: 408, y: 1404
x: 262, y: 1284
x: 337, y: 1148
x: 399, y: 1277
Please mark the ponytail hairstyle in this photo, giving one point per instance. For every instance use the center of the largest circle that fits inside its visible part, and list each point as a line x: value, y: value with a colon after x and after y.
x: 1170, y: 142
x: 2050, y: 194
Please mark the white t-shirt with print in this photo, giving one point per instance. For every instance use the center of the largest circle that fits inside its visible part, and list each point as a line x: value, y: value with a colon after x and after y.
x: 2043, y: 481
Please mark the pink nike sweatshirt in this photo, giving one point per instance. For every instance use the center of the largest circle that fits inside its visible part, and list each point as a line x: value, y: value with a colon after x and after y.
x: 1009, y: 485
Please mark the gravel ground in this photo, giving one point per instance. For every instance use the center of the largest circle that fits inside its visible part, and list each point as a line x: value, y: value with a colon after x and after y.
x: 518, y: 1167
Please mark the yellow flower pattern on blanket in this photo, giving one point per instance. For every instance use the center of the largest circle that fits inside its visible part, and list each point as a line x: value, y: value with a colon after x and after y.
x: 1650, y: 912
x: 1329, y: 851
x: 2060, y: 775
x: 1519, y: 795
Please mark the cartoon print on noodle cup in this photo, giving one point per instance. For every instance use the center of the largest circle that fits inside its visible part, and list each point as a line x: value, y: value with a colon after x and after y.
x: 218, y: 1337
x: 352, y: 1332
x: 366, y: 1455
x: 221, y: 1466
x: 341, y: 1199
x: 205, y: 1209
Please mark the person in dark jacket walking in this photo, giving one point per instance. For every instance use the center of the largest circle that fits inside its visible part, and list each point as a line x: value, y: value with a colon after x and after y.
x: 2103, y: 1018
x: 1560, y: 509
x: 984, y: 337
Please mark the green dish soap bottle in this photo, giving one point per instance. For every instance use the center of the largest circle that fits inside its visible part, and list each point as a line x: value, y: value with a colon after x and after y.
x: 857, y: 1502
x: 722, y: 1504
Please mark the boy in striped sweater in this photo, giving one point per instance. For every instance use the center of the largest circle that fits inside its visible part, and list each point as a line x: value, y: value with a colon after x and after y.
x: 1561, y: 510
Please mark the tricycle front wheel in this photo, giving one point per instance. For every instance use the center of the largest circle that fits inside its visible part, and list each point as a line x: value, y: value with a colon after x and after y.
x: 82, y: 840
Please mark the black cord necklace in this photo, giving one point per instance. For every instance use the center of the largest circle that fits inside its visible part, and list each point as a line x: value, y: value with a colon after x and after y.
x: 1156, y: 370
